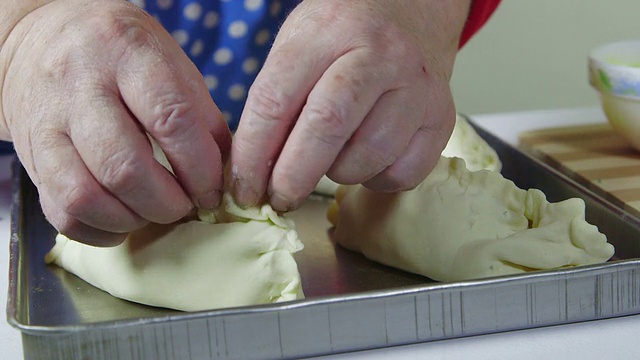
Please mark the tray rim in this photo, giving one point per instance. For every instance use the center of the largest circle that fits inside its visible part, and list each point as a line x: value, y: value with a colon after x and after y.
x: 503, y: 280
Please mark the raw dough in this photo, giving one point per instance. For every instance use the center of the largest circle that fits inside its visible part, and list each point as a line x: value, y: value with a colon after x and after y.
x: 236, y: 257
x: 465, y: 143
x: 459, y: 225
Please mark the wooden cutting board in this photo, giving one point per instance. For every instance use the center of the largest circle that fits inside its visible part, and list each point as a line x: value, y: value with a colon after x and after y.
x: 595, y: 156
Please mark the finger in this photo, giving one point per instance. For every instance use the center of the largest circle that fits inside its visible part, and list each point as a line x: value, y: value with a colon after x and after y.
x: 120, y: 158
x: 422, y: 153
x: 72, y: 200
x: 75, y: 229
x: 167, y: 95
x: 381, y: 139
x: 274, y: 101
x: 336, y: 106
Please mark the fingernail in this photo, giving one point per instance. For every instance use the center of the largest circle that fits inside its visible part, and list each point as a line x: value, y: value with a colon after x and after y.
x: 209, y: 201
x: 244, y: 195
x: 280, y: 203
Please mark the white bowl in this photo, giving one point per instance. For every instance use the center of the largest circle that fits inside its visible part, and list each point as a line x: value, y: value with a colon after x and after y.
x: 624, y: 116
x: 615, y: 68
x: 614, y: 71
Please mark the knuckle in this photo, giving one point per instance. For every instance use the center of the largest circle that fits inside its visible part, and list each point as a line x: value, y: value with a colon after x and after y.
x: 120, y: 174
x: 61, y: 62
x: 122, y: 26
x: 404, y: 48
x: 75, y: 200
x: 94, y: 37
x: 269, y: 102
x: 396, y: 41
x: 392, y: 44
x: 378, y: 157
x: 363, y: 162
x: 328, y: 121
x: 57, y: 64
x: 173, y: 115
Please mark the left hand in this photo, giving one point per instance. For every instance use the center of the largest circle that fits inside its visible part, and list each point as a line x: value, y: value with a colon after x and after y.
x: 358, y: 90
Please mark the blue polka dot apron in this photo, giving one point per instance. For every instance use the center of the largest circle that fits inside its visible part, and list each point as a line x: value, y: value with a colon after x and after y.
x: 228, y: 40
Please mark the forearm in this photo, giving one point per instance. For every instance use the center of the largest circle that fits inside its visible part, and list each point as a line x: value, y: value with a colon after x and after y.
x: 11, y: 16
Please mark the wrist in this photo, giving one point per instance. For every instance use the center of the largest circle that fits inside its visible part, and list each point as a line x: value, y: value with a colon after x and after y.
x: 445, y: 22
x: 436, y: 26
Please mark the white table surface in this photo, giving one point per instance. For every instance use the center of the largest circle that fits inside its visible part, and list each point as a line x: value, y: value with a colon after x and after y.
x: 603, y: 339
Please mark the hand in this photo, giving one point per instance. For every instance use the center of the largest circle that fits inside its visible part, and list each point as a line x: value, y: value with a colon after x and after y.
x: 85, y: 81
x: 358, y: 90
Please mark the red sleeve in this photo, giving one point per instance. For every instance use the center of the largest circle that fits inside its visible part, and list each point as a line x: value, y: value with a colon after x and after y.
x: 479, y: 13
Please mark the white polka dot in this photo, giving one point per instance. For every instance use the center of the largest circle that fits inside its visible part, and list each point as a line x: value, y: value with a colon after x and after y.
x: 222, y: 56
x: 275, y: 8
x: 237, y: 92
x: 165, y: 4
x: 238, y: 29
x: 197, y: 47
x: 181, y: 36
x: 262, y: 37
x: 193, y: 11
x: 211, y: 81
x: 138, y: 3
x: 253, y: 5
x: 250, y: 66
x: 227, y: 116
x: 211, y: 19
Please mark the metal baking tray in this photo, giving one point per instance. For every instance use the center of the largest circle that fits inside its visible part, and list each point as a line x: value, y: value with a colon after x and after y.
x: 352, y: 303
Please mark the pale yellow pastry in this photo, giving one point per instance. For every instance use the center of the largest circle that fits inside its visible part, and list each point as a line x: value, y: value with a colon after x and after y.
x: 465, y: 143
x: 459, y: 225
x: 237, y: 257
x: 227, y: 258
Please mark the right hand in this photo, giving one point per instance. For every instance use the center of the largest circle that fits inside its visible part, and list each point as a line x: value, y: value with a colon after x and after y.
x: 84, y: 81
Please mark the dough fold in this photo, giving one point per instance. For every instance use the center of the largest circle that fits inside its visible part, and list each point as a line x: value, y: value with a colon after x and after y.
x: 459, y: 225
x: 228, y: 258
x: 465, y: 143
